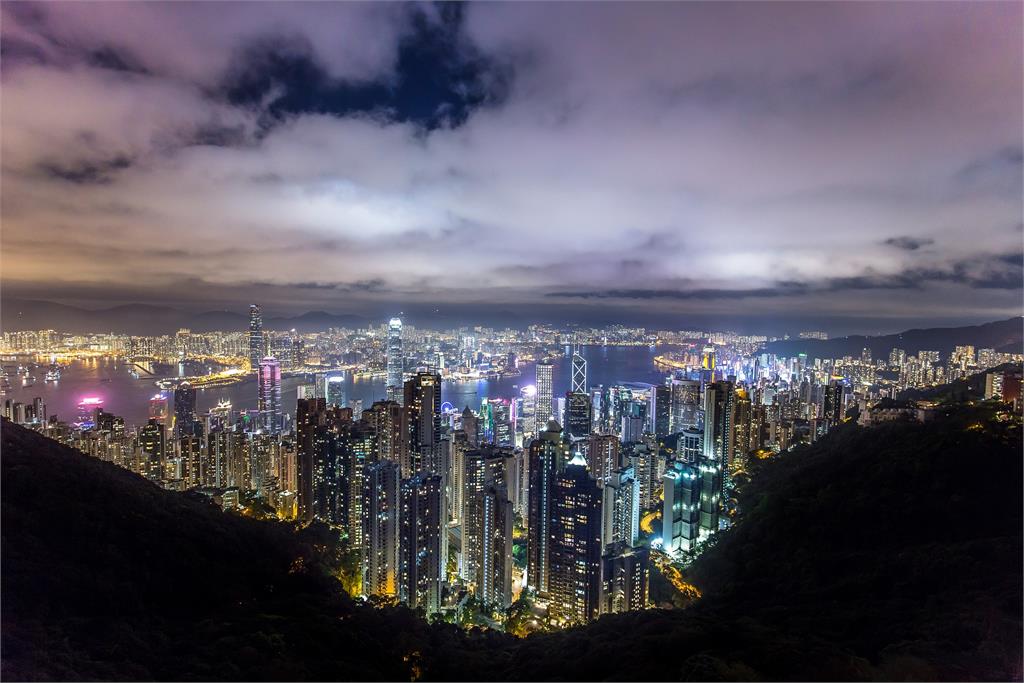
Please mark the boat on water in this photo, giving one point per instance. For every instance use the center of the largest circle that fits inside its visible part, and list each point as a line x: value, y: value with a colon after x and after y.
x: 53, y: 374
x: 28, y: 380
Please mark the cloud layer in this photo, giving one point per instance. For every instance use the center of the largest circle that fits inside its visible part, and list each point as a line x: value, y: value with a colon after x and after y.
x: 762, y: 159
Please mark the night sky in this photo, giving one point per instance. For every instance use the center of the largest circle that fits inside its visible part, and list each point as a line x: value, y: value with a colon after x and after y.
x: 835, y: 162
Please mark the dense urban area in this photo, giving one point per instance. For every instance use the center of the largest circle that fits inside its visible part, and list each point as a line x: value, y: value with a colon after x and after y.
x: 527, y: 512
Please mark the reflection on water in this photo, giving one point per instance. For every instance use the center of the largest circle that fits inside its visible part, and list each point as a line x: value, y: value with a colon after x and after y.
x: 128, y: 396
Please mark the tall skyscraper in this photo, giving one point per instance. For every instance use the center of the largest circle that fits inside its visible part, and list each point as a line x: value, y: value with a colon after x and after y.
x: 548, y: 455
x: 602, y: 456
x: 422, y: 546
x: 152, y: 443
x: 380, y: 528
x: 662, y: 410
x: 184, y: 409
x: 575, y: 566
x: 158, y: 409
x: 717, y: 453
x: 578, y: 385
x: 493, y: 580
x: 395, y: 360
x: 681, y: 513
x: 255, y: 337
x: 269, y: 399
x: 334, y: 390
x: 685, y: 410
x: 545, y: 397
x: 621, y: 508
x: 625, y: 572
x: 578, y: 415
x: 423, y: 407
x: 486, y: 467
x: 309, y: 439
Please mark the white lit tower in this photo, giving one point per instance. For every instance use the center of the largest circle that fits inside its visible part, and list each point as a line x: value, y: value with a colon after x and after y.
x: 396, y: 362
x: 255, y: 337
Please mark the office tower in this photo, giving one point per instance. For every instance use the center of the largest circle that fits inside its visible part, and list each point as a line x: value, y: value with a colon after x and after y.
x: 681, y: 512
x: 221, y: 416
x: 545, y: 395
x: 707, y: 360
x: 158, y: 408
x: 493, y: 580
x: 548, y: 455
x: 471, y: 425
x: 423, y: 408
x: 717, y: 453
x: 690, y: 445
x: 486, y: 467
x: 334, y: 390
x: 662, y: 411
x: 685, y: 411
x: 380, y: 527
x: 575, y: 565
x: 255, y: 337
x: 578, y: 415
x: 152, y: 442
x: 620, y: 508
x: 625, y: 571
x: 602, y: 456
x: 269, y: 399
x: 422, y: 546
x: 395, y: 360
x: 578, y: 384
x: 184, y: 409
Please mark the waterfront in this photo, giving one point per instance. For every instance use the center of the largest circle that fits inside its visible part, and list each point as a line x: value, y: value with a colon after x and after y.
x: 124, y: 395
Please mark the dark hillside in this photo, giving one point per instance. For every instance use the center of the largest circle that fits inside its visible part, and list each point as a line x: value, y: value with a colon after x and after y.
x: 885, y: 553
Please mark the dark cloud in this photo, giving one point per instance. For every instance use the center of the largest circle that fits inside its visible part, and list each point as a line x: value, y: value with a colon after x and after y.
x: 439, y: 78
x: 909, y: 243
x: 97, y: 172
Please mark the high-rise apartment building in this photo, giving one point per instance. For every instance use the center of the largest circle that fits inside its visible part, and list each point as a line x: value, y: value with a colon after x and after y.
x: 575, y: 557
x: 269, y: 398
x: 422, y: 542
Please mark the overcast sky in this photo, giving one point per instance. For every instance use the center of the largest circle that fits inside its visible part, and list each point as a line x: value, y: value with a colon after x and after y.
x: 767, y: 161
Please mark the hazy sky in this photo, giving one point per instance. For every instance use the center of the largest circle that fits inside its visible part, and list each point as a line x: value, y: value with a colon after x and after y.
x: 768, y: 160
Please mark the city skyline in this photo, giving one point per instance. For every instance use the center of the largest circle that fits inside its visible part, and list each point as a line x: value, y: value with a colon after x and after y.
x: 580, y: 162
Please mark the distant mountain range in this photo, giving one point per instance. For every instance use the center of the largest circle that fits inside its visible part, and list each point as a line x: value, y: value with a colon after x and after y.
x: 143, y: 319
x: 1006, y: 336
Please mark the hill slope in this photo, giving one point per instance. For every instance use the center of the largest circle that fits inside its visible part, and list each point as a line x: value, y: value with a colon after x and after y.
x: 1004, y: 335
x: 889, y: 553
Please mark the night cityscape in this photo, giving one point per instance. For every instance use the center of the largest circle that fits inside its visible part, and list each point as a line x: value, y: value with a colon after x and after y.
x: 512, y: 341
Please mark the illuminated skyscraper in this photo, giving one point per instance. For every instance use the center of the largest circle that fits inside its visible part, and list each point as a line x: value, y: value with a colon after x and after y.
x: 483, y: 468
x: 548, y: 455
x: 184, y: 409
x: 255, y: 337
x: 621, y: 508
x: 544, y: 393
x: 625, y: 571
x: 334, y: 390
x: 152, y: 443
x: 685, y: 411
x: 395, y: 360
x: 579, y: 372
x: 681, y: 513
x: 575, y: 566
x: 269, y: 398
x: 380, y: 528
x: 717, y: 453
x: 158, y: 408
x: 423, y: 408
x: 578, y: 415
x: 422, y: 550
